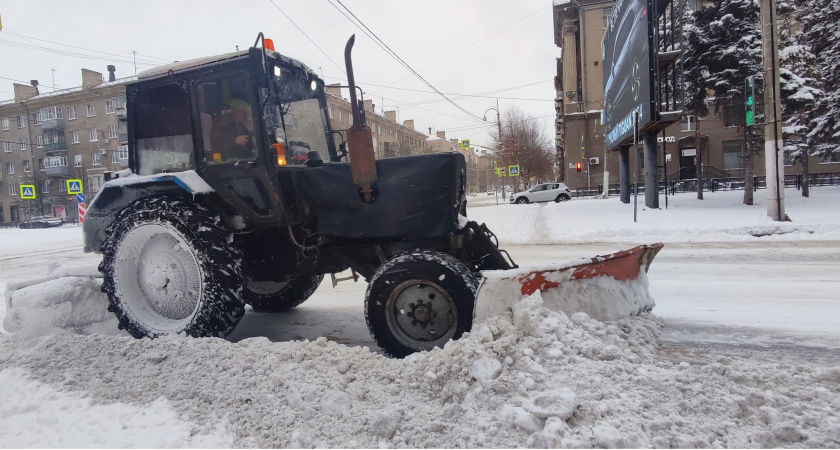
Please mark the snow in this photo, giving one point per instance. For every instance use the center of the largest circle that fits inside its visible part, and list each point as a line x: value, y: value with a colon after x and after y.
x: 741, y: 349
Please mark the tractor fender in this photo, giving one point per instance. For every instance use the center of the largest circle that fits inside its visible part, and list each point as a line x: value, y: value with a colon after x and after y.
x: 116, y: 194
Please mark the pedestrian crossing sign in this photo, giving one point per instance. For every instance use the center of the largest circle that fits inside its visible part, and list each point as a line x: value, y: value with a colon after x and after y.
x: 74, y: 187
x: 465, y: 143
x: 27, y: 191
x: 513, y: 170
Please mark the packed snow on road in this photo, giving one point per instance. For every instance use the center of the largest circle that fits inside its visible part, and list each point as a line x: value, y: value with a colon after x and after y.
x: 741, y: 350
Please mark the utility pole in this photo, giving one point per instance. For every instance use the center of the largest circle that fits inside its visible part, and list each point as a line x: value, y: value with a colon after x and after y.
x: 773, y: 153
x: 135, y: 60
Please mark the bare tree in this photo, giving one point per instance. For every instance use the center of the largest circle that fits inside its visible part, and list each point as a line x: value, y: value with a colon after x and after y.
x: 525, y: 142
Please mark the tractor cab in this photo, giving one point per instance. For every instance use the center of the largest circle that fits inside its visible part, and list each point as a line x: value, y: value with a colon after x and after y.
x: 239, y: 120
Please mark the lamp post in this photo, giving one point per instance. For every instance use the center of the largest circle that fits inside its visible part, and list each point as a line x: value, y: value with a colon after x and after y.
x: 501, y: 150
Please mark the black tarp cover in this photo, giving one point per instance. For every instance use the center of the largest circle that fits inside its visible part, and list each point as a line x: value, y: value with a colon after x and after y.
x: 419, y: 197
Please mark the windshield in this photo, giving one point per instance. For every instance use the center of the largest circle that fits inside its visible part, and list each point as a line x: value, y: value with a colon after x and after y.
x: 299, y: 100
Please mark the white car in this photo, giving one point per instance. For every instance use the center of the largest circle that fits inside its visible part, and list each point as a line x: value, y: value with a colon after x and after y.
x: 546, y: 192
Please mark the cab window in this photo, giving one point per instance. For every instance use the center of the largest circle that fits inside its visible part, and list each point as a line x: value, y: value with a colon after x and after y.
x: 227, y: 120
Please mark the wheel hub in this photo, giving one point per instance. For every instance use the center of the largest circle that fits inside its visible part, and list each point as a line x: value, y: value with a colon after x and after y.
x: 421, y: 314
x: 158, y: 277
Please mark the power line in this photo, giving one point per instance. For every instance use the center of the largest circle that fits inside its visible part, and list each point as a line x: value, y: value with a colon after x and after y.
x: 307, y: 36
x: 473, y: 44
x: 30, y: 38
x: 395, y: 56
x: 71, y: 54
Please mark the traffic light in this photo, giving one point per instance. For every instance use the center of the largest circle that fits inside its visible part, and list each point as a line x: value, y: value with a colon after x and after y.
x: 749, y: 99
x: 578, y: 166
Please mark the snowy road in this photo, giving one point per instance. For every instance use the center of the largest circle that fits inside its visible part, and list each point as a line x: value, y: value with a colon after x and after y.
x: 744, y: 351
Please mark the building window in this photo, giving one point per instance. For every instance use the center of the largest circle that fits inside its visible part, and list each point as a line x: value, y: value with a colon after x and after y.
x: 734, y: 116
x: 10, y: 168
x: 74, y: 137
x: 77, y: 160
x: 112, y: 131
x: 27, y: 166
x: 24, y: 145
x: 788, y: 158
x: 71, y: 113
x: 687, y: 123
x: 94, y: 136
x: 109, y: 107
x: 120, y: 102
x: 7, y: 147
x: 21, y: 120
x: 607, y: 14
x: 122, y: 150
x: 733, y: 158
x: 378, y: 129
x: 13, y: 189
x: 36, y: 118
x: 831, y: 158
x: 331, y: 113
x: 62, y: 185
x: 96, y: 158
x: 56, y: 161
x: 39, y: 141
x: 96, y: 182
x: 41, y: 164
x: 122, y: 127
x: 341, y: 116
x: 46, y: 187
x: 91, y: 111
x: 5, y: 124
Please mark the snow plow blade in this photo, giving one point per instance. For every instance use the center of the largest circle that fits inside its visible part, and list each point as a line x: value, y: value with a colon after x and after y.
x: 608, y: 287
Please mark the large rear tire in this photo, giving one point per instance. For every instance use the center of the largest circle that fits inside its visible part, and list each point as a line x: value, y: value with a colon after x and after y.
x: 169, y: 268
x: 274, y: 297
x: 419, y: 301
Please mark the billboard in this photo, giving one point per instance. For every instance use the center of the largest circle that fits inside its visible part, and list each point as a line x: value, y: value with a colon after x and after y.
x: 625, y: 52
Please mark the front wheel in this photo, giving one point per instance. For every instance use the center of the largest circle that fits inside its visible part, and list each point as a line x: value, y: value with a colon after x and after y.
x: 521, y: 200
x: 419, y: 301
x: 273, y: 297
x: 168, y: 269
x: 562, y: 198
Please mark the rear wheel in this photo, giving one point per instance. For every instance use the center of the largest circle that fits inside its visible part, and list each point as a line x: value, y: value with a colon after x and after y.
x: 419, y: 301
x: 521, y: 200
x: 168, y: 269
x: 272, y: 297
x: 562, y: 198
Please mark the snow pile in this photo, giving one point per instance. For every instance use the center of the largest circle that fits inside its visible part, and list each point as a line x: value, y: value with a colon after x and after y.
x: 64, y: 305
x: 112, y: 425
x: 535, y: 377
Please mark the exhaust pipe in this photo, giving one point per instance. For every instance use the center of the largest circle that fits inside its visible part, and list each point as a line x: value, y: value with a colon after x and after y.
x: 359, y: 137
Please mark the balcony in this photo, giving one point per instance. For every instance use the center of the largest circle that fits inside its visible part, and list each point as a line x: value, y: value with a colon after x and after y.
x: 121, y: 113
x: 59, y: 171
x: 123, y: 138
x: 55, y: 147
x: 52, y: 123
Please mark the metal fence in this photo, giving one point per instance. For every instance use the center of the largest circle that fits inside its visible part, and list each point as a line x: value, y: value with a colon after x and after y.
x: 716, y: 184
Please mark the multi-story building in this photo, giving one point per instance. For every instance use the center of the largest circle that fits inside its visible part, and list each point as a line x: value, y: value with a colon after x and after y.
x: 48, y: 138
x: 390, y: 138
x: 579, y: 27
x: 480, y: 176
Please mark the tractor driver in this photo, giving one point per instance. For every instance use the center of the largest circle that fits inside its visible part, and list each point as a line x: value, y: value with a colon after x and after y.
x: 233, y: 138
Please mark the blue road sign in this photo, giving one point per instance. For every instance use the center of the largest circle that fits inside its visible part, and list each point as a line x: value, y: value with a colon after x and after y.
x: 74, y: 186
x: 80, y: 198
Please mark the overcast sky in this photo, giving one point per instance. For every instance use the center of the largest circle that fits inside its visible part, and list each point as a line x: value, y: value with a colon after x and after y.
x: 487, y: 49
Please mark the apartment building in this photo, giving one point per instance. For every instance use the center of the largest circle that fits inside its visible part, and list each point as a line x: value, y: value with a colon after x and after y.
x: 390, y: 138
x: 47, y: 138
x: 480, y: 176
x: 579, y: 27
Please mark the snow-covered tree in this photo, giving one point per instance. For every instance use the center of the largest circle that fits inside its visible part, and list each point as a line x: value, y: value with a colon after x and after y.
x: 728, y: 41
x: 821, y: 32
x: 799, y: 87
x: 695, y: 74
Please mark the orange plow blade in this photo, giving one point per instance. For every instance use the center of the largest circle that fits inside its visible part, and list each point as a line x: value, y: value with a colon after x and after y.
x: 608, y: 287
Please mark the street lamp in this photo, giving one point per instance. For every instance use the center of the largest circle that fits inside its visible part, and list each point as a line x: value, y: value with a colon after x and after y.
x: 501, y: 150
